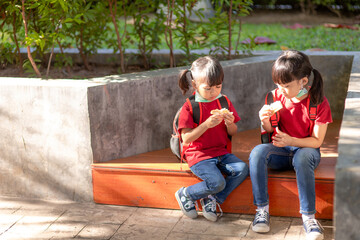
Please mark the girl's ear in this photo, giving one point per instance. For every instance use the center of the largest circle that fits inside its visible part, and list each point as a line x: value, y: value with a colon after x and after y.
x: 305, y: 80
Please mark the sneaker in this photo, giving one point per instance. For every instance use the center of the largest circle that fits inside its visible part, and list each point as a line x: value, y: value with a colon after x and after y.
x: 209, y: 208
x: 187, y: 206
x: 261, y: 223
x: 313, y: 230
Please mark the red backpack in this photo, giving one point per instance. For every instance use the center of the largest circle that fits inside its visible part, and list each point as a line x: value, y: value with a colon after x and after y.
x: 176, y: 145
x: 274, y: 119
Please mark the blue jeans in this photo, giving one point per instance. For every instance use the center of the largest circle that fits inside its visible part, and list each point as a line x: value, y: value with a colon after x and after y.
x: 214, y: 183
x: 302, y: 160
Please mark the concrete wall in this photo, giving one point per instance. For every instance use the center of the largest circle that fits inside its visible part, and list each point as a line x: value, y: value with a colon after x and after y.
x: 45, y: 139
x: 52, y: 130
x: 347, y: 184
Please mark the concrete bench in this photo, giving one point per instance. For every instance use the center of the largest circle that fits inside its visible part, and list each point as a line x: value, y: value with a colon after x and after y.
x: 151, y: 179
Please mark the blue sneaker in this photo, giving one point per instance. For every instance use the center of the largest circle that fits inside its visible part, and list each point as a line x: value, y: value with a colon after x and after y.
x: 209, y: 208
x: 313, y: 230
x: 261, y: 223
x: 187, y: 206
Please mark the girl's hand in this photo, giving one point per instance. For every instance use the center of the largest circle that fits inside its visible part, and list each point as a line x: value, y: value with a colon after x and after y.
x: 282, y: 139
x: 228, y: 118
x: 213, y: 121
x: 265, y: 113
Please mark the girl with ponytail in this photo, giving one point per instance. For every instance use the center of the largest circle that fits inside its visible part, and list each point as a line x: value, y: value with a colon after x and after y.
x: 205, y: 142
x: 294, y: 144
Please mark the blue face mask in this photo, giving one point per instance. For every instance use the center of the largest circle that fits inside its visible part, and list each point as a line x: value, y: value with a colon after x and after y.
x: 302, y: 92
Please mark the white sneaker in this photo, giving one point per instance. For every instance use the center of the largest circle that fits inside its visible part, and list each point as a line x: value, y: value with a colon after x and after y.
x: 313, y: 230
x: 261, y: 223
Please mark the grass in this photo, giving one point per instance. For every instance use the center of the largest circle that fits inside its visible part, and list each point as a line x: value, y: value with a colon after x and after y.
x: 302, y: 39
x: 319, y: 36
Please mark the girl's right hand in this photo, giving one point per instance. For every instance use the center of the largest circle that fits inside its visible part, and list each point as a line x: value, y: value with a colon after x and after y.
x: 265, y: 113
x: 213, y: 121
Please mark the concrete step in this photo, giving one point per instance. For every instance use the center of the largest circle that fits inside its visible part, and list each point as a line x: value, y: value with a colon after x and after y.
x: 151, y: 180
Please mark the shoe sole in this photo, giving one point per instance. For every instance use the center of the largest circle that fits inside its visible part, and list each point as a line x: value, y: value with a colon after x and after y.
x: 182, y: 208
x: 263, y: 228
x: 315, y: 237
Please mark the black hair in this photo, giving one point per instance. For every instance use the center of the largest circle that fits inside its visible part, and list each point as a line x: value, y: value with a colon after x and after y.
x: 294, y: 65
x: 207, y: 68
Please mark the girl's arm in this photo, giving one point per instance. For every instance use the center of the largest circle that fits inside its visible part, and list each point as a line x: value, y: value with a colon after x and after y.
x: 282, y: 139
x: 189, y: 135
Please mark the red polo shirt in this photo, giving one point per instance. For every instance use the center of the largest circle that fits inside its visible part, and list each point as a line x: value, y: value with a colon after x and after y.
x: 294, y: 117
x: 213, y: 142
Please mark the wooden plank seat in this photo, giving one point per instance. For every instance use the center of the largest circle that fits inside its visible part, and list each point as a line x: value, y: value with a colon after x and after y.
x: 151, y: 180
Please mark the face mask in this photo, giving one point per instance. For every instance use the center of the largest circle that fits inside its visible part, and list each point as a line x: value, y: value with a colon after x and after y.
x: 302, y: 92
x: 199, y: 98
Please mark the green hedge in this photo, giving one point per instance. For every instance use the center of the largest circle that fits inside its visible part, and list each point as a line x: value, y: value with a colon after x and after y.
x: 89, y: 25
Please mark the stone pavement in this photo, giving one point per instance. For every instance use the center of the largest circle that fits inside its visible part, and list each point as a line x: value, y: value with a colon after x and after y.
x: 37, y: 219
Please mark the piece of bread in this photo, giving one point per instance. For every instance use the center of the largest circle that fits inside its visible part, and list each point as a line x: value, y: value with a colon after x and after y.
x: 220, y: 111
x: 276, y: 106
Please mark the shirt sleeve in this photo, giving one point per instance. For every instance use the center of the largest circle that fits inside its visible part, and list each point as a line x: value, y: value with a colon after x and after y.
x: 185, y: 119
x: 324, y: 113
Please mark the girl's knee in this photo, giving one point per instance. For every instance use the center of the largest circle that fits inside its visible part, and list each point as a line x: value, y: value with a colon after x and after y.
x: 217, y: 186
x: 306, y: 157
x: 241, y: 169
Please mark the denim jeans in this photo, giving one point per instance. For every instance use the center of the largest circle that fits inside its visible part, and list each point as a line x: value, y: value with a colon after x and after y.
x: 214, y: 183
x: 302, y: 160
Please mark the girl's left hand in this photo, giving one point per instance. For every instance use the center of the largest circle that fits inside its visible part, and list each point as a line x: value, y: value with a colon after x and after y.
x: 228, y: 118
x: 281, y: 139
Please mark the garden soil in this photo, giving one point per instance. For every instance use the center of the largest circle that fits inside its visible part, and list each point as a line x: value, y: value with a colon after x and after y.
x: 259, y: 16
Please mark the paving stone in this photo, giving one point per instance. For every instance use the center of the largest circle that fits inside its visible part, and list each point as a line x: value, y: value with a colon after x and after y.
x: 136, y: 232
x: 225, y: 226
x: 97, y: 215
x: 194, y: 236
x: 154, y: 217
x: 25, y: 231
x: 98, y: 231
x: 63, y: 230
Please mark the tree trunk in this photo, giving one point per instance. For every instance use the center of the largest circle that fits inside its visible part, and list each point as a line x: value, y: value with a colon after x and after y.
x: 17, y: 44
x: 28, y: 47
x: 229, y: 22
x: 169, y: 31
x: 119, y: 39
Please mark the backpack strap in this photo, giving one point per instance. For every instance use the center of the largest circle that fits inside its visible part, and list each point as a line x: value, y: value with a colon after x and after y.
x: 224, y: 102
x: 195, y: 109
x: 274, y: 119
x: 312, y: 111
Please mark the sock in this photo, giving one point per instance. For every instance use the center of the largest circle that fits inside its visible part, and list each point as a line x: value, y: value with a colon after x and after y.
x: 264, y: 207
x: 306, y: 217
